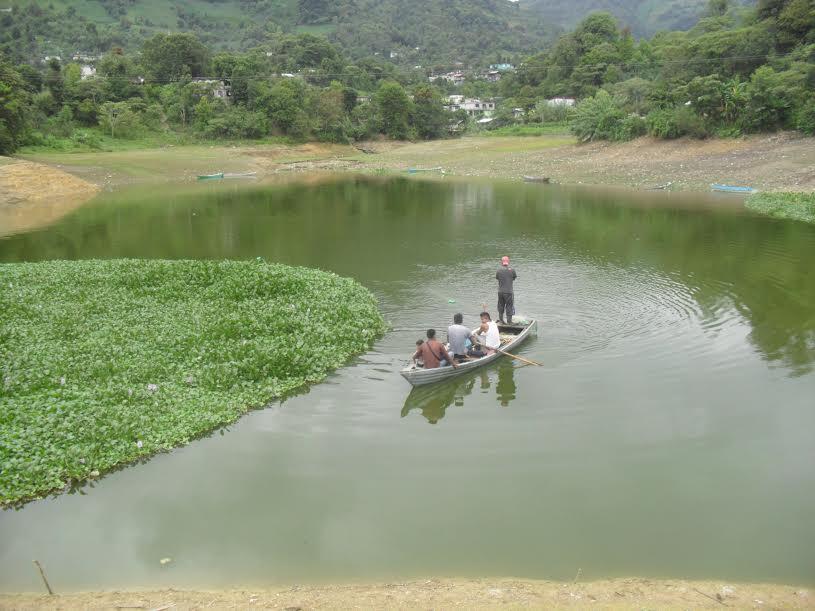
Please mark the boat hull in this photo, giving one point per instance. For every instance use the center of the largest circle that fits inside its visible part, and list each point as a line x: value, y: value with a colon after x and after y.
x: 732, y: 189
x: 419, y: 376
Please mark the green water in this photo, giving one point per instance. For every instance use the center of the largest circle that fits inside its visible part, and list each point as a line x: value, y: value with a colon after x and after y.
x: 670, y: 433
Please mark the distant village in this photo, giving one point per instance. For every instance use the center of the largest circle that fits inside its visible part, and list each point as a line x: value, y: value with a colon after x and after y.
x: 482, y: 111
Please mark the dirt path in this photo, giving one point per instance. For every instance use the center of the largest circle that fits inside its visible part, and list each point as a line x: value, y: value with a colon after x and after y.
x: 33, y: 195
x: 444, y: 594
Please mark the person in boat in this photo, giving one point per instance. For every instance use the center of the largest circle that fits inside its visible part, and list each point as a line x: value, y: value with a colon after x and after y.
x: 433, y: 353
x: 458, y: 336
x: 487, y: 336
x: 418, y: 360
x: 506, y: 297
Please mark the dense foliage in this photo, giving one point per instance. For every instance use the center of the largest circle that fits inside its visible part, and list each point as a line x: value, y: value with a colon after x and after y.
x: 794, y: 206
x: 102, y: 362
x: 416, y: 32
x: 642, y: 17
x: 297, y: 86
x: 737, y: 71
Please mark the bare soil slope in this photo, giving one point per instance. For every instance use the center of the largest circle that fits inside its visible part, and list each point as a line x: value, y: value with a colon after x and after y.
x: 33, y: 194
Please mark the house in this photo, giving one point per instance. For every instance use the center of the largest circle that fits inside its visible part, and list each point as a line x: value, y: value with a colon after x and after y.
x: 472, y: 106
x: 493, y: 76
x: 218, y: 88
x: 456, y: 77
x: 518, y: 113
x: 85, y: 58
x: 502, y: 67
x: 561, y: 102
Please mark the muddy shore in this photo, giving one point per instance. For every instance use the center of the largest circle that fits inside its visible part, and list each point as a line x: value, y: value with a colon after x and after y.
x: 34, y: 194
x: 446, y: 593
x: 776, y: 162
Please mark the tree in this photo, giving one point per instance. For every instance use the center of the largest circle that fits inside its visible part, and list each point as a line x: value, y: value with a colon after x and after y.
x: 171, y: 56
x: 13, y: 105
x: 429, y: 116
x: 597, y: 118
x: 111, y: 114
x: 394, y: 108
x: 329, y: 111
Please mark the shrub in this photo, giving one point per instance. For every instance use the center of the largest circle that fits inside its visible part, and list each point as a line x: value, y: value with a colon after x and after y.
x: 632, y: 126
x: 676, y: 122
x: 597, y: 118
x: 237, y: 122
x: 805, y: 117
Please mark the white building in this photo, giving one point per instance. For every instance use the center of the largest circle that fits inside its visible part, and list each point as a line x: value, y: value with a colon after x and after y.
x: 472, y: 106
x: 561, y: 102
x: 218, y: 88
x: 87, y: 71
x: 456, y: 77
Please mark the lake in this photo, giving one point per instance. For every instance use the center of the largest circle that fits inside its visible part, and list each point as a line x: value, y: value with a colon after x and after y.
x: 669, y: 433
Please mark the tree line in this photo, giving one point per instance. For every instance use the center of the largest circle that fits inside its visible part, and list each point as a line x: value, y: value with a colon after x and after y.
x: 300, y: 87
x: 738, y: 70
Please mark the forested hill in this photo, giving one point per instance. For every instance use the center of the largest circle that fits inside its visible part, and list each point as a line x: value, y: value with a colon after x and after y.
x: 406, y: 31
x: 642, y: 17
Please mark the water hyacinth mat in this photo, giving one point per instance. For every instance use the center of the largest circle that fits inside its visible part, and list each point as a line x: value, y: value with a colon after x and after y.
x: 103, y: 362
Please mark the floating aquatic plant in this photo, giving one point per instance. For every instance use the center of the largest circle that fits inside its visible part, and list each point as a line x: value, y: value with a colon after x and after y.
x: 103, y: 362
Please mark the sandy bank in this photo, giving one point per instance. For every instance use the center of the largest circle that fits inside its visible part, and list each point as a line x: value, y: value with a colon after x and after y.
x: 444, y: 594
x: 33, y: 194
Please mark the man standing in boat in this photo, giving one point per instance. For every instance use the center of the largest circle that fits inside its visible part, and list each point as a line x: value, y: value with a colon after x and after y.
x: 506, y: 298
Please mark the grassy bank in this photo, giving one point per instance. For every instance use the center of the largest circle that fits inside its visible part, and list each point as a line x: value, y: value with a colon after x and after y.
x: 792, y: 206
x: 103, y: 362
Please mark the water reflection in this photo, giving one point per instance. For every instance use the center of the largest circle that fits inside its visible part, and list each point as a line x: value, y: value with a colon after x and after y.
x: 432, y: 401
x: 687, y: 255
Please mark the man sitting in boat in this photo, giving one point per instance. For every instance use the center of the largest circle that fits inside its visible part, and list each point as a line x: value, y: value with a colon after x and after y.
x: 488, y: 336
x: 458, y: 336
x: 433, y: 353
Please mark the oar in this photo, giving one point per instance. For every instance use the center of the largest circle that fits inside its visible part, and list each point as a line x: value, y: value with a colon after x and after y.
x: 520, y: 358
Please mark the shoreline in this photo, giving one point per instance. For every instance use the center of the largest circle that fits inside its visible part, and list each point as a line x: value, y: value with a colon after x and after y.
x: 37, y: 189
x: 623, y: 593
x: 782, y: 161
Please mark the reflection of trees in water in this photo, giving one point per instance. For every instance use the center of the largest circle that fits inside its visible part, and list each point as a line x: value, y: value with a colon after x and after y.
x: 433, y: 400
x: 758, y: 266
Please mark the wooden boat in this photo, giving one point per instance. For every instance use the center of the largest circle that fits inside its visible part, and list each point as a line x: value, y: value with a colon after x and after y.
x: 417, y: 170
x: 512, y: 336
x: 543, y: 179
x: 217, y: 176
x: 732, y: 189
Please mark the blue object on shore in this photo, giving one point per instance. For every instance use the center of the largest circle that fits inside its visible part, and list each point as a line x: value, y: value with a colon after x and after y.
x: 732, y: 189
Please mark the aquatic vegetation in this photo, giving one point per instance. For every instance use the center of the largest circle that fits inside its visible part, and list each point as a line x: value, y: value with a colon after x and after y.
x: 103, y: 362
x: 793, y: 206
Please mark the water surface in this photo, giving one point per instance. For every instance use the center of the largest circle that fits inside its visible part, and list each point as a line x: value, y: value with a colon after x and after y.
x: 670, y: 433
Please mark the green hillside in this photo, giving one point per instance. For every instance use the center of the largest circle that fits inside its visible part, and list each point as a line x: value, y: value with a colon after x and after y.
x: 444, y: 31
x: 642, y: 17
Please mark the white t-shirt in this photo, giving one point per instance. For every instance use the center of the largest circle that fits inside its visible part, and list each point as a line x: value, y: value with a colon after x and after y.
x: 492, y: 338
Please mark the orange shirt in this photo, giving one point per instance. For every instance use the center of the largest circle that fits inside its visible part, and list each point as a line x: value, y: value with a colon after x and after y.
x: 431, y: 351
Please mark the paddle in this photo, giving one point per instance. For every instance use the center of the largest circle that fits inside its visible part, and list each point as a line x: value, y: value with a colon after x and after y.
x: 520, y: 358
